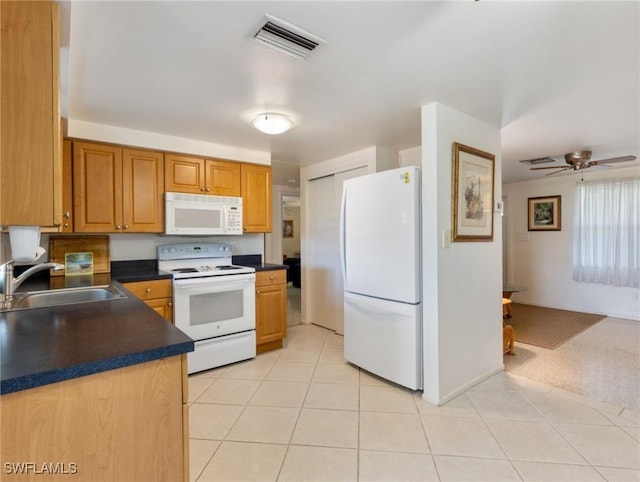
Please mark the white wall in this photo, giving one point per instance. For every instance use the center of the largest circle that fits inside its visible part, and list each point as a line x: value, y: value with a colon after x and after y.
x: 542, y: 260
x: 462, y: 284
x: 125, y: 247
x: 411, y: 156
x: 129, y: 247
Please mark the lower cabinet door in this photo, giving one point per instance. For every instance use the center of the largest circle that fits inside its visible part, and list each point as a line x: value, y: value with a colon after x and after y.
x: 271, y: 313
x: 163, y: 306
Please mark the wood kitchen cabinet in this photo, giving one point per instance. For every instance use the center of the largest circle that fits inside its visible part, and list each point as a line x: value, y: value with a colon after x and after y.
x: 157, y: 294
x: 117, y: 190
x: 271, y: 309
x: 256, y: 198
x: 129, y: 423
x: 30, y: 138
x: 67, y: 187
x: 202, y: 176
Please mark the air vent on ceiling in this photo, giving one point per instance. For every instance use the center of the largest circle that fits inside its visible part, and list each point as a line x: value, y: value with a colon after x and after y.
x: 538, y: 160
x: 286, y: 38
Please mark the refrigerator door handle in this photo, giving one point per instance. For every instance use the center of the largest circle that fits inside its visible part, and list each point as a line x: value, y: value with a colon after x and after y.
x: 343, y: 213
x: 377, y: 311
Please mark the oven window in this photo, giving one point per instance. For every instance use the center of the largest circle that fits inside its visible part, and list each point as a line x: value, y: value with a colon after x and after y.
x: 197, y: 218
x: 213, y: 307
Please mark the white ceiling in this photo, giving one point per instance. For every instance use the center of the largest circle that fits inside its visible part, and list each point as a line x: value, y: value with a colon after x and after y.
x: 555, y: 76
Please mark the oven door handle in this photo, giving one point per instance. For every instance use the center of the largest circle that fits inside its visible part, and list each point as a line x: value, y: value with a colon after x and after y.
x: 214, y: 280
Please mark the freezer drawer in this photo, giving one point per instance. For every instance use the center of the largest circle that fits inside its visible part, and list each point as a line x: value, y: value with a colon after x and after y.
x: 384, y: 338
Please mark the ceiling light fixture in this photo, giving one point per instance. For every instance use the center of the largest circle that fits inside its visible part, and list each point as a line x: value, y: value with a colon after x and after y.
x: 271, y: 123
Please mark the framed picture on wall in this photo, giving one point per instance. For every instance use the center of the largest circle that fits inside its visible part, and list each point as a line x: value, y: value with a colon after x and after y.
x: 472, y: 194
x: 544, y: 213
x: 287, y: 228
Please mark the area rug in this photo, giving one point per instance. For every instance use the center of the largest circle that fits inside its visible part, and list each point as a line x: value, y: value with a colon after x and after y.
x: 548, y: 327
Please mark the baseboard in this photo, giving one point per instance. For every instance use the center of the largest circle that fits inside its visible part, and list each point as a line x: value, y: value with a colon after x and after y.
x: 624, y: 316
x: 450, y: 396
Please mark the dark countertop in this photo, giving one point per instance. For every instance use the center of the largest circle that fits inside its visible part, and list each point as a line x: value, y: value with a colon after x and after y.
x: 266, y: 266
x: 142, y: 270
x: 255, y: 261
x: 47, y: 345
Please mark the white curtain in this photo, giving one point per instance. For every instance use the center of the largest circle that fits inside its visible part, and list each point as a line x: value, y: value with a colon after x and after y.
x: 607, y: 232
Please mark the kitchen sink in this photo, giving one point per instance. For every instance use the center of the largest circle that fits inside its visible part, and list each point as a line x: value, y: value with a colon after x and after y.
x: 66, y: 296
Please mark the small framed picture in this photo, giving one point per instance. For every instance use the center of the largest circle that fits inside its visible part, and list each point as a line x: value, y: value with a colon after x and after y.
x: 76, y: 264
x: 545, y: 213
x: 287, y: 228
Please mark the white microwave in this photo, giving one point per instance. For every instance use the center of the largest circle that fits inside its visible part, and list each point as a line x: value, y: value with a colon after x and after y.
x: 202, y: 215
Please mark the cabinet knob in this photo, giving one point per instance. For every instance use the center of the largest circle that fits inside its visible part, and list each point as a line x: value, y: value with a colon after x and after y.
x: 148, y: 290
x: 66, y: 225
x: 169, y: 303
x: 201, y: 189
x: 272, y: 277
x: 118, y: 227
x: 208, y: 189
x: 257, y: 292
x: 66, y: 215
x: 126, y: 226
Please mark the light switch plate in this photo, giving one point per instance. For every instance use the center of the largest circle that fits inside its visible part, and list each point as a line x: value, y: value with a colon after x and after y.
x: 446, y: 238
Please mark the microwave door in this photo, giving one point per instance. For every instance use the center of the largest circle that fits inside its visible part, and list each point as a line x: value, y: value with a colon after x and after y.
x: 202, y: 215
x: 196, y: 219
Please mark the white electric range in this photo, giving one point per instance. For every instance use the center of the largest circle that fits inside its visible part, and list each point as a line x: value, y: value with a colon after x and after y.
x: 213, y: 302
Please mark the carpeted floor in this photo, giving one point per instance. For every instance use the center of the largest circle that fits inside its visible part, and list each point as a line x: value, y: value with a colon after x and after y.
x: 602, y: 362
x: 548, y: 327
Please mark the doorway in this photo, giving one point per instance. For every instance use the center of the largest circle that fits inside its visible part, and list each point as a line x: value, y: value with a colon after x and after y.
x: 291, y: 235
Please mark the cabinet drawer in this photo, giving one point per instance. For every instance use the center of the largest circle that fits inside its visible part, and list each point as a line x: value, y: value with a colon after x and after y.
x: 148, y: 290
x: 267, y: 278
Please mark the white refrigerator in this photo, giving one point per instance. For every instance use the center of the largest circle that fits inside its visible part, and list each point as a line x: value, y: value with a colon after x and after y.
x: 381, y: 267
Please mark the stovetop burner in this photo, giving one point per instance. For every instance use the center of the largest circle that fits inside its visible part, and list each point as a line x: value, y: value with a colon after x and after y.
x: 184, y: 270
x: 190, y: 260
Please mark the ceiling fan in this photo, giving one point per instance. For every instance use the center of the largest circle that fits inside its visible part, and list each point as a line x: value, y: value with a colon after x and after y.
x: 582, y: 160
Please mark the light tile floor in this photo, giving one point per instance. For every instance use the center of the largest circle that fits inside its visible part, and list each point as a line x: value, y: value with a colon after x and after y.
x: 303, y: 414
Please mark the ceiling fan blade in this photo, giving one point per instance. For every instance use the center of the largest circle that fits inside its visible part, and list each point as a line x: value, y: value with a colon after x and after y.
x: 614, y: 159
x: 558, y: 171
x: 548, y: 167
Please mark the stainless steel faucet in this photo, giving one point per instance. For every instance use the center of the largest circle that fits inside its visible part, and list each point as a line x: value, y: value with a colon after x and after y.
x: 9, y: 284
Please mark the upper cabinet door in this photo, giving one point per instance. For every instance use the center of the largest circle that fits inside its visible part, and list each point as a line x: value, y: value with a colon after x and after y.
x: 97, y: 181
x: 256, y: 198
x: 184, y: 174
x: 30, y: 138
x: 142, y: 191
x: 222, y: 178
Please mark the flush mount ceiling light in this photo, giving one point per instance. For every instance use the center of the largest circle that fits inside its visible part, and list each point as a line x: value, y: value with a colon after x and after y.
x: 271, y: 123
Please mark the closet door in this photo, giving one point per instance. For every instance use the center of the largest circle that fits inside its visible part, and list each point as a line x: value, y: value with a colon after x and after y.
x: 326, y: 301
x: 321, y: 258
